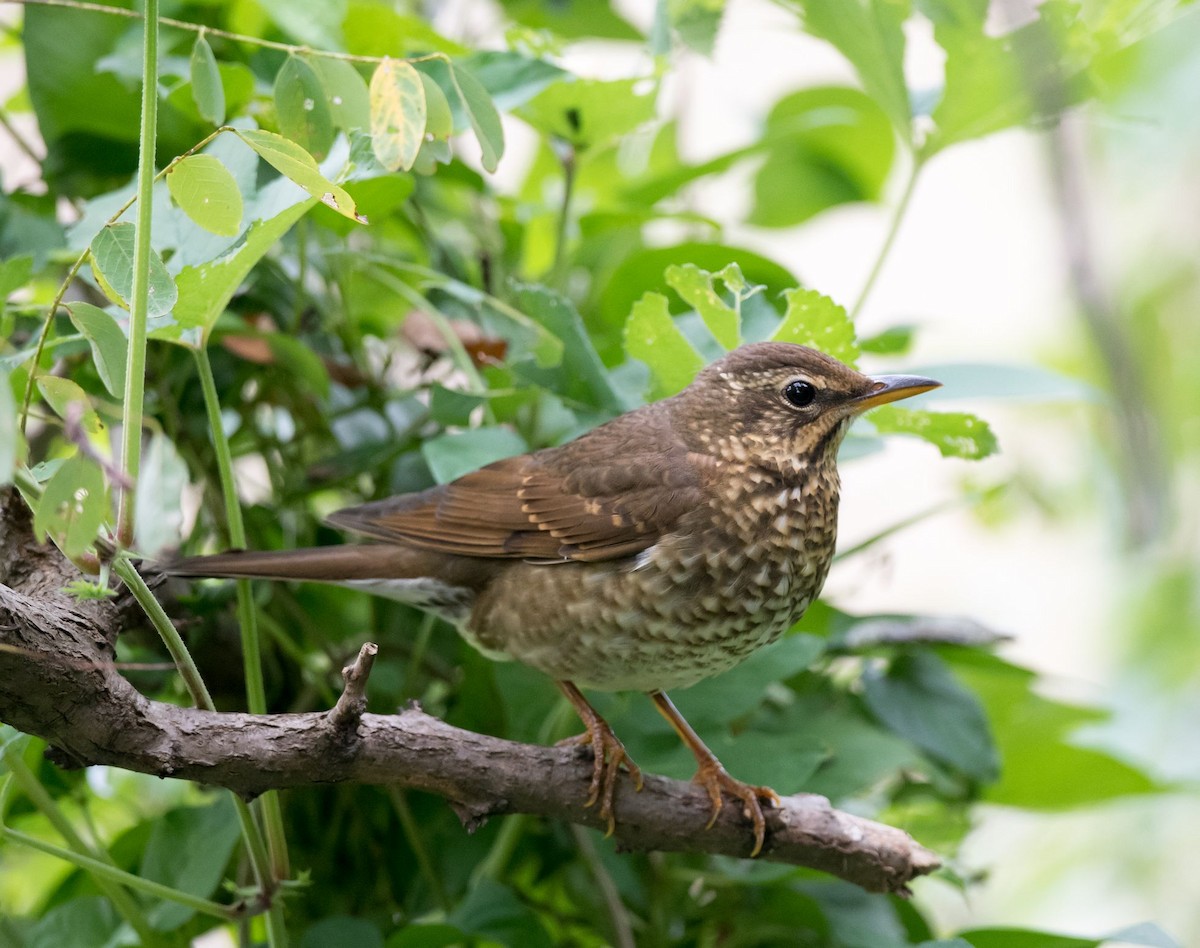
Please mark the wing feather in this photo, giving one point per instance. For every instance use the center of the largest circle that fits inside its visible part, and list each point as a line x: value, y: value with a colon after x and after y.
x: 596, y: 498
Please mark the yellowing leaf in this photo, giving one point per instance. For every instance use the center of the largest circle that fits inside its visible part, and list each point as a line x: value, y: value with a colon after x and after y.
x: 397, y: 114
x: 296, y: 164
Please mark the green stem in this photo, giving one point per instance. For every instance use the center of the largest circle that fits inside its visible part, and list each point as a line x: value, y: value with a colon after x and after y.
x: 135, y: 366
x: 256, y: 695
x: 558, y: 270
x: 412, y: 832
x: 886, y: 248
x: 167, y: 632
x: 260, y: 861
x: 122, y: 901
x: 103, y: 870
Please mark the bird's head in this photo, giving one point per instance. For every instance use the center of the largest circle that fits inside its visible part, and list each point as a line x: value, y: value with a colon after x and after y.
x: 781, y: 405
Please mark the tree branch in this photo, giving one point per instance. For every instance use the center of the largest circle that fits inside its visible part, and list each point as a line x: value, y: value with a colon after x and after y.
x: 57, y: 681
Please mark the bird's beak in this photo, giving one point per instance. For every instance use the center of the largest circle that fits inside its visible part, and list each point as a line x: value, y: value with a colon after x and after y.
x: 892, y: 388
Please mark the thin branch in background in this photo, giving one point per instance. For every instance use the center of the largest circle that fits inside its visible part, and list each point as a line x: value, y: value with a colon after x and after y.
x: 885, y: 249
x: 1139, y: 442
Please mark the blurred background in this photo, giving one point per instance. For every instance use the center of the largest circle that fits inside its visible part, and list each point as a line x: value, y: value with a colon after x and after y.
x: 1071, y: 250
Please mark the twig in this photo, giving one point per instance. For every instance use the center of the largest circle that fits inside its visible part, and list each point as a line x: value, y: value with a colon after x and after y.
x: 352, y: 704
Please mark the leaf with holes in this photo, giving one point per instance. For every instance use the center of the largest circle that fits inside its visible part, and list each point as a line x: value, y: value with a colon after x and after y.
x: 302, y: 106
x: 696, y: 288
x: 73, y: 506
x: 817, y: 321
x: 397, y: 114
x: 294, y: 163
x: 112, y: 264
x: 956, y: 434
x: 349, y: 100
x: 652, y: 336
x: 207, y: 193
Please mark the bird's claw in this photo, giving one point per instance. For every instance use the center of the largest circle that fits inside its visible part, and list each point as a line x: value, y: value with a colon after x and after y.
x: 608, y: 756
x: 716, y: 780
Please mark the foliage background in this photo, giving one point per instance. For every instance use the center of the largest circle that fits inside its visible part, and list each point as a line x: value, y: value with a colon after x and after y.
x: 1089, y: 559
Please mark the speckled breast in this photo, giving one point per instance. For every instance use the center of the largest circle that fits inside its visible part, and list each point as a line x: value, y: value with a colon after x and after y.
x: 733, y: 578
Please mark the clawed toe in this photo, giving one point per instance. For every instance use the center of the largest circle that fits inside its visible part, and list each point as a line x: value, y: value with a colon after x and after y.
x: 716, y: 780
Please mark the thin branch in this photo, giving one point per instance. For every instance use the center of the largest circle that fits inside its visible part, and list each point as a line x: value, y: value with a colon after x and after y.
x: 353, y: 703
x: 58, y: 682
x: 214, y: 31
x: 885, y: 248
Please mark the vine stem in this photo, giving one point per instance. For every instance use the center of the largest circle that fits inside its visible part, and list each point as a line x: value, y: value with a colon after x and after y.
x: 885, y: 248
x: 28, y: 783
x: 223, y: 34
x: 256, y: 698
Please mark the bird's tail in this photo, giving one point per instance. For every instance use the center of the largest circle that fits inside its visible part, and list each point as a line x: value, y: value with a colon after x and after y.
x: 322, y: 564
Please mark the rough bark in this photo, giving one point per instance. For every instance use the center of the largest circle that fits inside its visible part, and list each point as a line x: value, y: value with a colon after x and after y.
x: 57, y: 681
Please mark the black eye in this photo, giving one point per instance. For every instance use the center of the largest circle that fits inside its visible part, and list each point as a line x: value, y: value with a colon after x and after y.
x: 799, y: 393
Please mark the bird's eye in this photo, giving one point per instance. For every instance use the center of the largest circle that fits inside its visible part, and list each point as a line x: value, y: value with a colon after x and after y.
x: 799, y: 393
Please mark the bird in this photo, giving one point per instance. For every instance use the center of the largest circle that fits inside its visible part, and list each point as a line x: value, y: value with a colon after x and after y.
x: 656, y: 550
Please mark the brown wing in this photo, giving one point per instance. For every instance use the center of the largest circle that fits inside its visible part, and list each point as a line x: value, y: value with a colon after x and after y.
x: 612, y: 493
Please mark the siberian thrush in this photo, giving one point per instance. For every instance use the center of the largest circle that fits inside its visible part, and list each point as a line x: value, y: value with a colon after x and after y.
x: 656, y: 550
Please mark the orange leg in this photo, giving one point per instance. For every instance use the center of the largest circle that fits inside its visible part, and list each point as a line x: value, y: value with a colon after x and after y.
x: 608, y: 754
x: 714, y: 778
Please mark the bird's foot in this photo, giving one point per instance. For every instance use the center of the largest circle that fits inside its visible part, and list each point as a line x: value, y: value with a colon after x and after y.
x: 608, y: 757
x: 716, y: 780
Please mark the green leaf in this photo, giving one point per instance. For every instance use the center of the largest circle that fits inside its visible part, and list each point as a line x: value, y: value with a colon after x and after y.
x: 895, y: 340
x: 207, y: 91
x: 188, y: 849
x: 427, y: 936
x: 87, y: 922
x: 590, y: 112
x: 109, y: 346
x: 74, y: 504
x: 302, y: 107
x: 452, y: 455
x: 449, y: 406
x: 10, y: 437
x: 205, y: 290
x: 349, y: 98
x: 491, y: 911
x: 207, y: 193
x: 696, y: 22
x: 296, y: 164
x: 652, y: 337
x: 731, y: 695
x: 642, y: 268
x: 314, y: 24
x: 1032, y: 73
x: 481, y: 112
x: 112, y: 264
x: 817, y: 321
x: 15, y: 272
x: 919, y: 699
x: 60, y: 394
x: 869, y: 33
x: 397, y: 114
x: 439, y: 120
x: 342, y: 931
x: 696, y: 288
x: 824, y: 147
x: 1022, y: 938
x: 580, y: 375
x: 1044, y: 768
x: 955, y: 434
